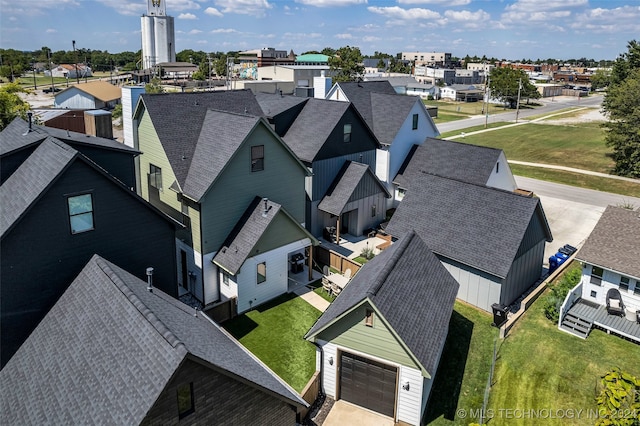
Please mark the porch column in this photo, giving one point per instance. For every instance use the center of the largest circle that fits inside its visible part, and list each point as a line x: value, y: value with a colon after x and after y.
x: 310, y: 262
x: 338, y: 230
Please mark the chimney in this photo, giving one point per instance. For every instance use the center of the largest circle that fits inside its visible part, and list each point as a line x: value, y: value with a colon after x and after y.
x: 150, y: 280
x: 266, y: 206
x: 30, y: 115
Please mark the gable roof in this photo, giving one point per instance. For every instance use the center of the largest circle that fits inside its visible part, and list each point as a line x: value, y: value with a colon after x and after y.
x: 389, y: 113
x: 17, y: 136
x: 344, y: 185
x: 411, y: 289
x: 312, y: 128
x: 31, y: 179
x: 456, y: 160
x: 472, y: 224
x: 397, y: 81
x: 100, y: 90
x: 250, y: 228
x: 359, y: 94
x: 614, y: 243
x: 274, y: 104
x: 112, y: 360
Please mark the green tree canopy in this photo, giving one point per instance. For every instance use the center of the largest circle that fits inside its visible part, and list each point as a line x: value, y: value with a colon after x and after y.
x: 626, y: 62
x: 11, y: 104
x: 504, y: 85
x: 154, y: 86
x: 347, y: 64
x: 600, y: 79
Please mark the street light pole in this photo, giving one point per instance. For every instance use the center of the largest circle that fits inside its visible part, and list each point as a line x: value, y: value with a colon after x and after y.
x: 73, y: 42
x: 51, y: 70
x: 518, y: 103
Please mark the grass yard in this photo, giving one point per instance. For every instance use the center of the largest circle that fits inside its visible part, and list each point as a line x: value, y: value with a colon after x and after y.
x: 541, y: 367
x: 464, y: 367
x: 444, y: 117
x: 274, y: 333
x: 465, y: 108
x: 578, y: 179
x: 581, y: 146
x: 323, y: 293
x: 447, y: 135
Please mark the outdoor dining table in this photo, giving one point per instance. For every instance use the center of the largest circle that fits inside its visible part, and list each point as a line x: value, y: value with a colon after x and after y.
x: 338, y: 279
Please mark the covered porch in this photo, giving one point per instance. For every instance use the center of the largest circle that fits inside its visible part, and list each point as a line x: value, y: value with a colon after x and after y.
x: 584, y: 315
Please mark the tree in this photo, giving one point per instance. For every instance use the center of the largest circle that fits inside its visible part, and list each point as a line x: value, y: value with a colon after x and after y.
x: 154, y: 86
x: 504, y: 84
x: 600, y: 79
x: 626, y: 62
x: 347, y: 64
x: 11, y: 104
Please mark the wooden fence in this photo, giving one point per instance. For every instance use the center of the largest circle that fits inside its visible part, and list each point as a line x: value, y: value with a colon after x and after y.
x: 310, y: 393
x: 222, y: 311
x: 327, y: 257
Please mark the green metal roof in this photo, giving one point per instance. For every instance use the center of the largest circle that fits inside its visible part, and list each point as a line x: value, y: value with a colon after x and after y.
x: 312, y: 57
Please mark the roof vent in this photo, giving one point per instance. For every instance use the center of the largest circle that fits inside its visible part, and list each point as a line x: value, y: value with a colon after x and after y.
x: 150, y: 280
x: 195, y: 314
x: 266, y: 207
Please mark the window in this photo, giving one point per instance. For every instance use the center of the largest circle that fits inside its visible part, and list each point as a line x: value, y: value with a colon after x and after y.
x: 257, y: 158
x: 594, y: 294
x: 80, y: 213
x: 225, y: 278
x: 596, y: 275
x: 415, y: 122
x: 368, y: 318
x: 624, y: 283
x: 347, y: 133
x: 373, y: 210
x: 262, y: 272
x: 497, y: 167
x: 185, y: 400
x: 636, y: 290
x: 401, y: 193
x: 155, y: 176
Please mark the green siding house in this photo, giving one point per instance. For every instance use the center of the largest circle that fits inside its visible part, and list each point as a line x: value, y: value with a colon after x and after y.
x: 205, y: 158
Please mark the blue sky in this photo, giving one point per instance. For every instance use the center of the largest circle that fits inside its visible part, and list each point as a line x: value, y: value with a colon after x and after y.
x: 510, y: 29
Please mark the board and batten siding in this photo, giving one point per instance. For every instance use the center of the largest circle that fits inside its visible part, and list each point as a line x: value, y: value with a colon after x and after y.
x: 250, y: 293
x: 476, y: 287
x: 281, y: 181
x: 326, y: 170
x: 524, y: 273
x: 351, y: 332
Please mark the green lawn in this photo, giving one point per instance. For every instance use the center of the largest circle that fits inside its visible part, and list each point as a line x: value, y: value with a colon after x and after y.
x: 323, y: 293
x: 578, y: 179
x: 464, y: 108
x: 453, y: 133
x: 581, y: 146
x: 464, y: 366
x: 444, y: 117
x: 541, y: 367
x: 274, y: 333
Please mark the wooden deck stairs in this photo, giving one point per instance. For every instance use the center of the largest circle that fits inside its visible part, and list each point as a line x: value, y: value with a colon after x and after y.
x: 576, y: 325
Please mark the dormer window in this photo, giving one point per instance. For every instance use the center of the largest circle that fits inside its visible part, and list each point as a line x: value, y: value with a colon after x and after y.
x: 347, y: 133
x: 368, y: 318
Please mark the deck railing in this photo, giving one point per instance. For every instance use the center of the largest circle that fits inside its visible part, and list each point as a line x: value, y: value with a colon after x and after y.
x: 572, y: 297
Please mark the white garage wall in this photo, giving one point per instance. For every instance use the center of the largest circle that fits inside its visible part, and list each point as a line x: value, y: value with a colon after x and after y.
x: 409, y: 403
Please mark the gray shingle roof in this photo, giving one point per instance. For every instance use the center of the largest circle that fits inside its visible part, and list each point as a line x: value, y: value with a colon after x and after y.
x: 178, y: 119
x: 274, y: 104
x: 312, y: 128
x: 33, y: 176
x: 413, y: 292
x: 614, y: 243
x: 450, y: 159
x: 345, y: 183
x: 243, y: 238
x: 475, y: 225
x: 16, y: 136
x: 396, y: 81
x: 389, y: 114
x: 92, y: 362
x: 359, y: 94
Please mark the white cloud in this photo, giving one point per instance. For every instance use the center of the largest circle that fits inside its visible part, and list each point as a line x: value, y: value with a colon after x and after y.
x: 536, y: 5
x: 244, y: 7
x: 51, y: 31
x: 301, y: 35
x: 399, y: 14
x: 187, y: 16
x: 213, y: 12
x: 436, y: 2
x: 331, y: 3
x: 34, y: 8
x: 625, y: 19
x: 194, y: 32
x: 223, y: 31
x: 466, y: 15
x: 344, y: 36
x: 369, y: 39
x: 13, y: 19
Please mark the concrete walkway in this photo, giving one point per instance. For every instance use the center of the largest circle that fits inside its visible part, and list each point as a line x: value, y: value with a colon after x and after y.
x: 571, y: 169
x: 312, y: 298
x: 343, y: 413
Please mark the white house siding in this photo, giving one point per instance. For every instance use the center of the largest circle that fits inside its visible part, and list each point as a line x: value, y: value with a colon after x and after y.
x: 409, y: 403
x: 193, y: 262
x: 250, y: 293
x: 76, y: 99
x: 478, y: 288
x: 610, y: 280
x: 227, y: 291
x: 448, y: 93
x: 329, y: 371
x: 130, y: 95
x: 501, y: 177
x: 210, y: 279
x: 382, y: 164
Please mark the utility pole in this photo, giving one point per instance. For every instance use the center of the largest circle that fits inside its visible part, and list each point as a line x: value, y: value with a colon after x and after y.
x: 518, y: 103
x: 486, y: 97
x: 35, y: 86
x: 73, y: 42
x: 51, y: 71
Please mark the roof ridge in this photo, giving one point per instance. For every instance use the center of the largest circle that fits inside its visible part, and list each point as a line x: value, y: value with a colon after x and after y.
x: 464, y: 143
x: 147, y: 313
x: 391, y: 262
x: 491, y: 188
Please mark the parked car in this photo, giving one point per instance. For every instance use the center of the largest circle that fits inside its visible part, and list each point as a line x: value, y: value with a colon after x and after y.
x: 51, y: 89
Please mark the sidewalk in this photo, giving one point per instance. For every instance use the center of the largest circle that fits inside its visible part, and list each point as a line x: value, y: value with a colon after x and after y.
x: 571, y: 169
x: 312, y: 298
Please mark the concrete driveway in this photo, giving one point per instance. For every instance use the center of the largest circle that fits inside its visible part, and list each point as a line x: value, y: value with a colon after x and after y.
x: 343, y: 413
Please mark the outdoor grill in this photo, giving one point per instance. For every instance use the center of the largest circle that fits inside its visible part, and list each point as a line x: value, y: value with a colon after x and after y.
x: 297, y: 263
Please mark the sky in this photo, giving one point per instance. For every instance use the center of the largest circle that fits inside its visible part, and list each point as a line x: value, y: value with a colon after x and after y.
x: 505, y: 29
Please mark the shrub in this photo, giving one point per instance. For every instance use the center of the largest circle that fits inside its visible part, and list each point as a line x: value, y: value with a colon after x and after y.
x: 553, y: 301
x: 367, y: 253
x: 117, y: 111
x: 619, y: 399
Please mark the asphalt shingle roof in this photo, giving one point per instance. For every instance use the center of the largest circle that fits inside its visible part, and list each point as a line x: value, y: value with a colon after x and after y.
x: 93, y: 362
x: 475, y: 225
x: 312, y: 128
x: 389, y: 114
x: 345, y: 183
x: 614, y: 243
x: 413, y: 292
x: 274, y: 104
x: 454, y: 160
x: 33, y: 176
x: 17, y: 136
x: 100, y: 90
x: 243, y: 238
x: 359, y: 94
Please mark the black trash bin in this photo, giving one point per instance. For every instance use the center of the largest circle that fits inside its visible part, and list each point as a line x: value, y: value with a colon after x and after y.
x: 499, y: 314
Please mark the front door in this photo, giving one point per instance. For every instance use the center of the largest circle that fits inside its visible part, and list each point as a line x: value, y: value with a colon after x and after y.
x: 344, y: 223
x: 184, y: 269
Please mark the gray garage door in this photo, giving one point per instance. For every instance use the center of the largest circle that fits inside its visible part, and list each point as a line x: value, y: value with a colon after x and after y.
x: 368, y: 383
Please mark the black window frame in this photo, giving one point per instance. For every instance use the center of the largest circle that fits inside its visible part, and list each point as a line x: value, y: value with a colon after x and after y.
x: 71, y: 215
x: 414, y: 125
x: 257, y: 158
x: 596, y: 279
x: 624, y: 285
x: 261, y: 278
x: 225, y: 278
x: 346, y: 135
x: 155, y: 176
x: 368, y: 317
x: 182, y: 413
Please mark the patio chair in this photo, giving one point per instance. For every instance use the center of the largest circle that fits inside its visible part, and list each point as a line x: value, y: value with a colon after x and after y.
x: 325, y: 270
x: 615, y: 306
x: 335, y: 289
x: 326, y: 285
x: 347, y: 273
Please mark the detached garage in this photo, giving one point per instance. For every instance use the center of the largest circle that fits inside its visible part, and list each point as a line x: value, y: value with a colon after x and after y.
x: 382, y: 337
